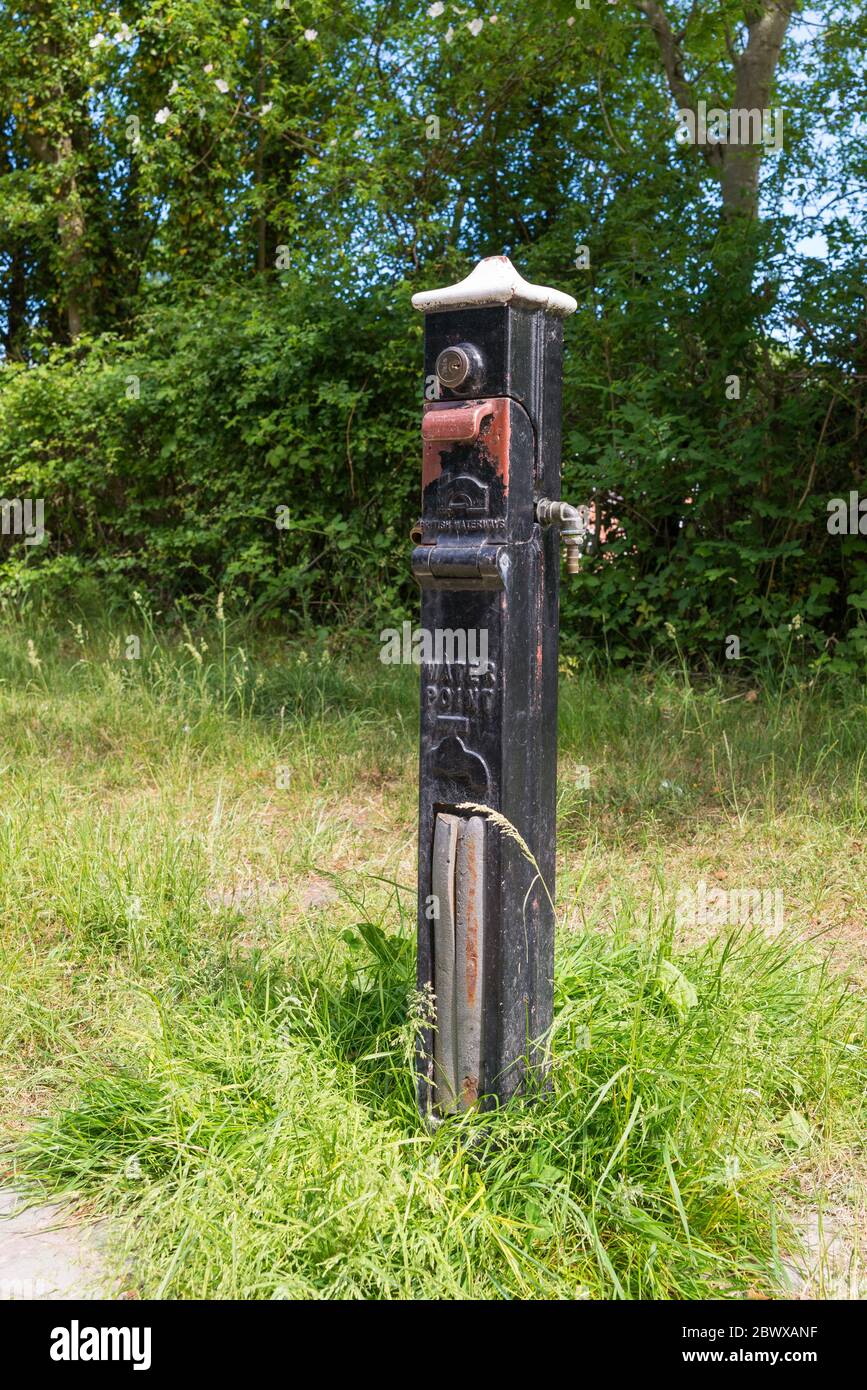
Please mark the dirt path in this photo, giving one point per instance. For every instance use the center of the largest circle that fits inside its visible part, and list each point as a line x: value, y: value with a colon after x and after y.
x: 44, y: 1254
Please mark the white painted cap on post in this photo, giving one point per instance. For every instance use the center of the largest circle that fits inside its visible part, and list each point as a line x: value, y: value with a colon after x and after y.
x: 495, y: 281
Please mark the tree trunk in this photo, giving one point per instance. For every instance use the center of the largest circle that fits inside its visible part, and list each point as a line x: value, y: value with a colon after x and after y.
x: 259, y: 166
x: 15, y: 280
x: 736, y: 165
x: 58, y: 152
x: 70, y: 229
x: 16, y: 306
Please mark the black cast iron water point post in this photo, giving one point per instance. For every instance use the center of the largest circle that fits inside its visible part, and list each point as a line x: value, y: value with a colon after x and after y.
x: 487, y: 562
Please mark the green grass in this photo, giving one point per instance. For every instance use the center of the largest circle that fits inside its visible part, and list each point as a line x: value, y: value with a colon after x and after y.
x: 206, y: 979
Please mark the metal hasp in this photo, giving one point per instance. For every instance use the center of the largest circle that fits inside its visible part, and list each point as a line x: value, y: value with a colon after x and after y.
x: 488, y: 569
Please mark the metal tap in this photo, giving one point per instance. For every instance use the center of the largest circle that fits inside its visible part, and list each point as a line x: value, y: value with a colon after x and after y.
x: 573, y: 523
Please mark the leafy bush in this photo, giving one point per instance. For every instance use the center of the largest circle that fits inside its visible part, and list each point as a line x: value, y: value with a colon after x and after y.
x: 266, y: 444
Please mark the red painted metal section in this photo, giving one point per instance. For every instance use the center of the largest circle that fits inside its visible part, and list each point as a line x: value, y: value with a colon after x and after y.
x: 482, y: 423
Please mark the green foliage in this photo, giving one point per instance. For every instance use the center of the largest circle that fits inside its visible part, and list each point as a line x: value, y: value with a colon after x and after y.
x: 265, y: 444
x: 222, y: 1064
x: 238, y: 445
x: 266, y: 1131
x: 225, y: 208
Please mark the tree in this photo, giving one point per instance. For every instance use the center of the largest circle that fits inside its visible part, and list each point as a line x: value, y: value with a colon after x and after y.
x: 754, y: 57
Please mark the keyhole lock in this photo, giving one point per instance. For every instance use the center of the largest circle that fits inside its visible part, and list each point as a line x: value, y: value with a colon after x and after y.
x: 460, y: 368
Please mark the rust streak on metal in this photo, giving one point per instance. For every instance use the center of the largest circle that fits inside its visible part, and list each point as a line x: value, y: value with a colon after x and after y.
x: 469, y: 1091
x: 495, y: 437
x: 472, y: 966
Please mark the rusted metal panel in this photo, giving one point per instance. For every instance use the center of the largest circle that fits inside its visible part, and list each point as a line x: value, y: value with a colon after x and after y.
x: 445, y: 847
x: 469, y: 956
x: 482, y: 427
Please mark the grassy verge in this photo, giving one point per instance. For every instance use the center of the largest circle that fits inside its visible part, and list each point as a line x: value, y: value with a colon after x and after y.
x: 206, y: 1007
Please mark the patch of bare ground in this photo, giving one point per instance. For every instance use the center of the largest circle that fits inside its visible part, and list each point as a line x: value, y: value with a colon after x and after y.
x: 46, y: 1253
